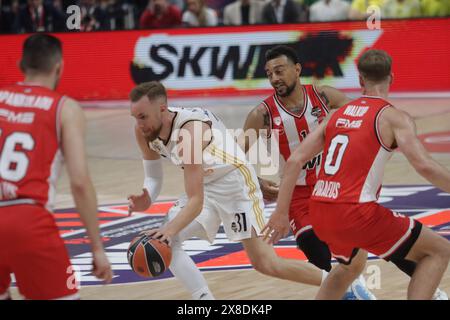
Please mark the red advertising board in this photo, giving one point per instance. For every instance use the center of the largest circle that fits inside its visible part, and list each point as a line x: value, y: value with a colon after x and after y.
x: 230, y: 60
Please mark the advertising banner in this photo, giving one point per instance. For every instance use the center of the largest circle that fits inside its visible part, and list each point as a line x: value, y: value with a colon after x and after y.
x: 230, y: 60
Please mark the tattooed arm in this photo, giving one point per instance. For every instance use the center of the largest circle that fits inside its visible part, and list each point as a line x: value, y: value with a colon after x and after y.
x: 332, y: 97
x: 259, y: 119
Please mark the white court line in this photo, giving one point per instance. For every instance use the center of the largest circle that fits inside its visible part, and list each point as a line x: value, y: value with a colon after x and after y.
x: 429, y: 213
x: 135, y: 216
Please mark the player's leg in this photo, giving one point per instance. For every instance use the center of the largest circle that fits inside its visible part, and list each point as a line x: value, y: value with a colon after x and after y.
x: 431, y: 252
x: 42, y: 267
x: 393, y: 236
x: 341, y: 276
x: 315, y: 250
x: 408, y: 267
x: 265, y: 260
x: 5, y: 281
x: 5, y: 246
x: 182, y: 266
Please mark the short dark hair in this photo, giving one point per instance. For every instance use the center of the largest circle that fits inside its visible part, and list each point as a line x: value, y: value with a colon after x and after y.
x: 375, y: 65
x: 152, y: 90
x: 282, y: 50
x: 40, y: 53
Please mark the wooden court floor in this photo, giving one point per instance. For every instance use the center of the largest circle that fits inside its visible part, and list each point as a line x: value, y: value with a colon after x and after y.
x: 116, y: 170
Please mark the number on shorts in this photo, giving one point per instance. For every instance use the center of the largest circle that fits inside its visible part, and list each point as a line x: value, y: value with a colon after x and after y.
x: 333, y: 162
x: 14, y: 163
x: 242, y: 224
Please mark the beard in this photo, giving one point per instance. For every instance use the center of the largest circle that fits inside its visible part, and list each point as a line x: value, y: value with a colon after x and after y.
x: 285, y: 92
x: 151, y: 135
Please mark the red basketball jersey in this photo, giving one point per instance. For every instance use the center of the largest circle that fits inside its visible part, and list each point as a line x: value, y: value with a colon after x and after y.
x: 30, y: 154
x: 354, y: 155
x: 293, y: 128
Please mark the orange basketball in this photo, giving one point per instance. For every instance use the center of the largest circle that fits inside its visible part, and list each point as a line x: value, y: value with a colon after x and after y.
x: 148, y: 257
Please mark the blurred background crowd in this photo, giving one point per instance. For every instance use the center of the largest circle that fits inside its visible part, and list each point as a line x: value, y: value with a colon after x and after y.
x: 21, y: 16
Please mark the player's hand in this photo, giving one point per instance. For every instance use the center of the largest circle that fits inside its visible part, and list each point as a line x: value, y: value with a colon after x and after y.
x: 276, y: 228
x: 161, y: 234
x: 101, y: 266
x: 139, y: 202
x: 269, y: 189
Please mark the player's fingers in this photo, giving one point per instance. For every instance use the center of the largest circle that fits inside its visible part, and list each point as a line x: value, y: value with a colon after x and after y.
x: 275, y: 237
x: 104, y: 271
x: 163, y: 238
x: 130, y: 207
x: 265, y: 228
x: 103, y: 274
x: 265, y: 231
x: 150, y: 233
x: 108, y: 275
x: 272, y: 196
x: 156, y: 235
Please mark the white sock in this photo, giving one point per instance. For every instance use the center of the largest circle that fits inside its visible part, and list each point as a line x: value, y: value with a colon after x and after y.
x: 324, y: 276
x: 185, y: 270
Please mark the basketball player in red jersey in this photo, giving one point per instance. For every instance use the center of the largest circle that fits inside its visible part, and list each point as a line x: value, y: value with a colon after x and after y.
x: 37, y: 128
x: 295, y: 110
x: 358, y: 140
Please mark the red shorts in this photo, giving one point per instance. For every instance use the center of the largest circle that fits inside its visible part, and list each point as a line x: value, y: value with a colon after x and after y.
x: 299, y: 210
x: 347, y: 227
x: 31, y: 249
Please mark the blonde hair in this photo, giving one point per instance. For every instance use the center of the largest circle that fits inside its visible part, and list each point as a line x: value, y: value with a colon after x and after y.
x: 152, y: 90
x: 375, y: 65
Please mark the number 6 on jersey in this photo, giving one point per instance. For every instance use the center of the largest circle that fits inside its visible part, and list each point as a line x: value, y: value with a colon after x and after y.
x: 14, y: 163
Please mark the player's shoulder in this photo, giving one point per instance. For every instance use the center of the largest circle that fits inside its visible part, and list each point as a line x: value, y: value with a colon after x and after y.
x: 70, y: 108
x: 394, y: 115
x: 260, y: 110
x: 70, y: 104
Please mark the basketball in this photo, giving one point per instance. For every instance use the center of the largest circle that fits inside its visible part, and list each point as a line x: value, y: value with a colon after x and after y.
x: 148, y: 257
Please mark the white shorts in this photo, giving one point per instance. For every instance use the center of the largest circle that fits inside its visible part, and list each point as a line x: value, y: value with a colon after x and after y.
x: 234, y: 200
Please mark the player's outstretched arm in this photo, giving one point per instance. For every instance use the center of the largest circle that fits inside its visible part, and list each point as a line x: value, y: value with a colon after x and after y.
x: 153, y: 176
x: 258, y: 124
x: 190, y: 151
x: 404, y: 131
x: 73, y: 147
x: 278, y: 224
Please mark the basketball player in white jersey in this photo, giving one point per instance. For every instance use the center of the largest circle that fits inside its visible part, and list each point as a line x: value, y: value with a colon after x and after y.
x: 220, y: 185
x: 294, y: 111
x: 358, y: 140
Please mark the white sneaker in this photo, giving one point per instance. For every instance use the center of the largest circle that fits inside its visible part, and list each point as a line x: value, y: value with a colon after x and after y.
x: 440, y: 295
x: 360, y: 291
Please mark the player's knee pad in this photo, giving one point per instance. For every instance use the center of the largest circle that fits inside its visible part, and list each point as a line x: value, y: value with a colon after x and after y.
x: 315, y: 250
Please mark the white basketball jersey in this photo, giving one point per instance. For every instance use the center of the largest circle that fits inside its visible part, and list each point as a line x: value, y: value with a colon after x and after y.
x: 220, y: 157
